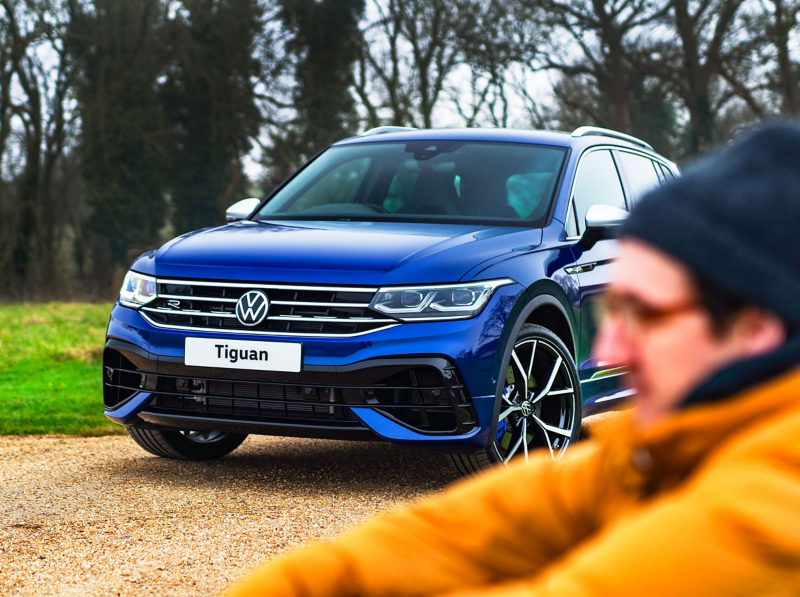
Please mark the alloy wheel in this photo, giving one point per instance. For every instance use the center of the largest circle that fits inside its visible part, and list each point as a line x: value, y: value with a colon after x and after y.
x: 204, y: 437
x: 539, y: 402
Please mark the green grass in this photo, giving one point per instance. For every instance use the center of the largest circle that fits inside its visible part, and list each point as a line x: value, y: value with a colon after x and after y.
x: 50, y: 369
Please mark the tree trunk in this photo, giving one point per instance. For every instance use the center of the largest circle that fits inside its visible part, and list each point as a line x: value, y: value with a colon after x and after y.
x: 701, y: 66
x: 620, y: 91
x: 784, y: 23
x: 702, y: 124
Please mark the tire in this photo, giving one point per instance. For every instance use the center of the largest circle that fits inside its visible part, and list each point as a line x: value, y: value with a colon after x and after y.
x: 550, y: 420
x: 187, y: 445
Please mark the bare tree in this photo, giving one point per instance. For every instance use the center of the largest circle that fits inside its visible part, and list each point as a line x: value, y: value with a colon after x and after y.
x: 382, y: 74
x: 42, y: 125
x: 705, y: 68
x: 780, y: 23
x: 8, y: 48
x: 407, y: 54
x: 500, y: 40
x: 604, y: 33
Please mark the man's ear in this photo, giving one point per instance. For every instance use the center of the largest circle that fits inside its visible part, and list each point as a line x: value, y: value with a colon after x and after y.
x: 758, y: 332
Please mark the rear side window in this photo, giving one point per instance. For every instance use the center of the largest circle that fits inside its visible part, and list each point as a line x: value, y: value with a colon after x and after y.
x: 668, y: 175
x: 640, y: 173
x: 597, y: 183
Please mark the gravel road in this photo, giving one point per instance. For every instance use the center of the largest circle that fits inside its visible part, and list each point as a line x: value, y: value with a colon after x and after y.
x: 98, y: 516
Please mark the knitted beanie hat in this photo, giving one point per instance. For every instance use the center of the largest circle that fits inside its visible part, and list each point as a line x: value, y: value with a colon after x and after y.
x: 734, y: 217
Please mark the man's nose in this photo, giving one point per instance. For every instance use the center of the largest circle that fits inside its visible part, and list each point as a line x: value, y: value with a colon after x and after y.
x: 612, y: 346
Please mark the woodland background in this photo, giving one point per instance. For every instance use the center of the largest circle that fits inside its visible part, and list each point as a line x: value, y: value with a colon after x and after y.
x: 126, y: 122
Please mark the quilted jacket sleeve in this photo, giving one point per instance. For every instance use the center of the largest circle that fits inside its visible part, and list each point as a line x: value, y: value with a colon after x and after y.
x: 735, y: 532
x: 508, y: 523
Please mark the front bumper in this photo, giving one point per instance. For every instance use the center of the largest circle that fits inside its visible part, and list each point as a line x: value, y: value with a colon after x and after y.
x: 426, y: 384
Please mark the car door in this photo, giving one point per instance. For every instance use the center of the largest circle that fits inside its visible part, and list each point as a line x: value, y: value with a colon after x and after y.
x: 597, y: 182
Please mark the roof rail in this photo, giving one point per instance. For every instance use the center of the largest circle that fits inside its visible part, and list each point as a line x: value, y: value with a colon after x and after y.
x: 586, y: 131
x: 382, y: 130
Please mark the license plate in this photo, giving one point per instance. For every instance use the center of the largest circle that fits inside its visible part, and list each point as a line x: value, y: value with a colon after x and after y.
x: 244, y: 354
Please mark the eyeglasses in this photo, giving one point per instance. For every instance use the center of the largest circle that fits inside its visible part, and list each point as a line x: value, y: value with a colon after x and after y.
x: 636, y: 316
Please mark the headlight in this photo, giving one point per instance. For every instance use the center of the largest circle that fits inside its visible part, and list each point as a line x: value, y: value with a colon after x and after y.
x: 451, y: 301
x: 137, y: 290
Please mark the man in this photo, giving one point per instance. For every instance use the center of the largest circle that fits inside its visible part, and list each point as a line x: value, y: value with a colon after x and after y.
x: 696, y: 491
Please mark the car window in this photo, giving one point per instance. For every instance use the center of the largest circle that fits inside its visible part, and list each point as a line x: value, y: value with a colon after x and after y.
x: 424, y: 180
x: 597, y: 182
x: 518, y: 196
x: 337, y: 186
x: 662, y: 178
x: 668, y: 175
x: 640, y: 173
x: 526, y: 190
x: 400, y: 189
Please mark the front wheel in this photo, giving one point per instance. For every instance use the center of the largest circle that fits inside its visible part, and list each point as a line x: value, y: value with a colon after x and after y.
x: 541, y: 404
x: 187, y: 445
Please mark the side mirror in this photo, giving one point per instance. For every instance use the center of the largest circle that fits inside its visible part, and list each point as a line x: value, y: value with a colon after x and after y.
x: 602, y: 222
x: 241, y: 209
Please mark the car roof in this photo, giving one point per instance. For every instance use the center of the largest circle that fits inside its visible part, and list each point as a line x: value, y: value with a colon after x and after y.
x: 497, y: 135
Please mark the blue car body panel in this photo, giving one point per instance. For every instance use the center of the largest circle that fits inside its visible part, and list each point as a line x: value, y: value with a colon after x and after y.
x: 367, y: 253
x: 376, y: 254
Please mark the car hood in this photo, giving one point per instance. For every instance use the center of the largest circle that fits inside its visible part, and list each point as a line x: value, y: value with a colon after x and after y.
x: 360, y: 253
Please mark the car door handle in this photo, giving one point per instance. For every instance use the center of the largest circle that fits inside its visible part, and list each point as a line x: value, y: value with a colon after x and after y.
x: 580, y: 269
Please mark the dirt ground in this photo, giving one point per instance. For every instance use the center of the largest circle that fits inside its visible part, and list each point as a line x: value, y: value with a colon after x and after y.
x: 99, y: 516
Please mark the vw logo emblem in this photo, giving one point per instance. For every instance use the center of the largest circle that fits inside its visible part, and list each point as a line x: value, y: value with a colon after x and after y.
x: 252, y: 308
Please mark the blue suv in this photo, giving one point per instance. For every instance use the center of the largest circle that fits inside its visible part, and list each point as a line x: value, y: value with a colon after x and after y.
x: 430, y: 288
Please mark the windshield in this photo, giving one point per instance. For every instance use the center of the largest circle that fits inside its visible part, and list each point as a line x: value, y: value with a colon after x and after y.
x: 428, y: 181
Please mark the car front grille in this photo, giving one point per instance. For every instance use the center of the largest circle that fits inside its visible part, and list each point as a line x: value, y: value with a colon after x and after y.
x: 293, y: 310
x: 252, y: 400
x: 429, y: 398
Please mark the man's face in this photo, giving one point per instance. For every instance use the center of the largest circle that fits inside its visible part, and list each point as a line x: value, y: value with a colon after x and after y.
x: 655, y: 328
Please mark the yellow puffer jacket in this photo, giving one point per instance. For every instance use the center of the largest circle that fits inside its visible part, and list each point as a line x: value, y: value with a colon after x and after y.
x: 705, y: 503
